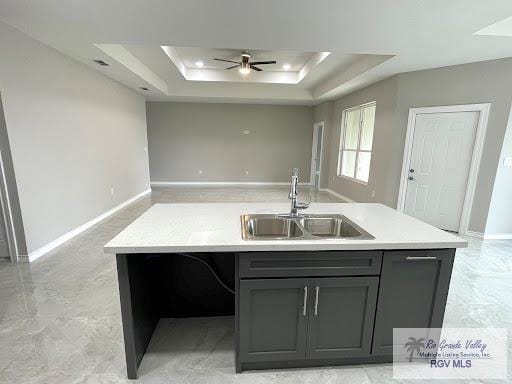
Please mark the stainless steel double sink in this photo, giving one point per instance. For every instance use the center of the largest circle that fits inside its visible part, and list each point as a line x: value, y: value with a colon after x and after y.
x: 304, y: 227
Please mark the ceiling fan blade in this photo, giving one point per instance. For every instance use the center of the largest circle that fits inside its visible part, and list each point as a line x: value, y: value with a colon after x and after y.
x: 234, y: 66
x: 227, y: 61
x: 256, y: 68
x: 264, y: 62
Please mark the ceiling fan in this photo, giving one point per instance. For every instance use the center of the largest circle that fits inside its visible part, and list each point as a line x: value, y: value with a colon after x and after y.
x: 245, y: 65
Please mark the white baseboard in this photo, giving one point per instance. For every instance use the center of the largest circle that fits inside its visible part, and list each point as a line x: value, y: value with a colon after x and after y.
x: 67, y: 236
x: 490, y: 236
x: 337, y: 195
x: 217, y: 183
x: 478, y: 235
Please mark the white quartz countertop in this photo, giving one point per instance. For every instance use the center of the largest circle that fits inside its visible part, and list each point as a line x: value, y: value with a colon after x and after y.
x: 216, y: 227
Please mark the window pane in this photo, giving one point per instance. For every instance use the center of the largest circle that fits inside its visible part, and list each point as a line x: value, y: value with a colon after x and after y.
x: 363, y: 166
x: 348, y: 163
x: 367, y: 127
x: 352, y: 129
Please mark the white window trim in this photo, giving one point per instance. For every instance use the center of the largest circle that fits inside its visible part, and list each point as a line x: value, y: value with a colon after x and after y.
x: 341, y: 146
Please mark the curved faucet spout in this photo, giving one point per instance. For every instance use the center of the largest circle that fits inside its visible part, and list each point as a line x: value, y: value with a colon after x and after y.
x: 295, y: 206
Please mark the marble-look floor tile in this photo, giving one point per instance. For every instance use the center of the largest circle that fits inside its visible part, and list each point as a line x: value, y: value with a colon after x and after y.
x: 40, y: 350
x: 60, y: 321
x: 200, y: 350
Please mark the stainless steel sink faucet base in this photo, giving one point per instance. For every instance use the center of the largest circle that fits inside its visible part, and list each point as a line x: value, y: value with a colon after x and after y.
x: 293, y: 226
x: 295, y: 205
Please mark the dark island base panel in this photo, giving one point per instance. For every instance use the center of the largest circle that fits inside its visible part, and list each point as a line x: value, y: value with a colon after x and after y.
x: 315, y: 363
x: 276, y: 325
x: 165, y: 286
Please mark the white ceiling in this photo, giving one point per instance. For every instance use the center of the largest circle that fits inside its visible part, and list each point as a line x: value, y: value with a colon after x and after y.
x: 368, y: 40
x: 185, y: 59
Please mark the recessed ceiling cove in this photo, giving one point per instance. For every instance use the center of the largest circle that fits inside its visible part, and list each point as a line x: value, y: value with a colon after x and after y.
x: 227, y: 65
x: 368, y: 40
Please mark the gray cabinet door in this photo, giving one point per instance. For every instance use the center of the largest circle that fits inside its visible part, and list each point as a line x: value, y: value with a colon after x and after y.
x: 412, y: 294
x: 341, y: 316
x: 273, y: 319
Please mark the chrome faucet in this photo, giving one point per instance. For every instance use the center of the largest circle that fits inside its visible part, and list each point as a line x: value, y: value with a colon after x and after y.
x: 295, y: 205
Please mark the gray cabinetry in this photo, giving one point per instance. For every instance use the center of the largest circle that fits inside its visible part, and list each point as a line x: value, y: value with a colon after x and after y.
x: 290, y: 264
x: 297, y: 319
x: 341, y: 316
x: 273, y: 319
x: 413, y: 290
x: 330, y: 308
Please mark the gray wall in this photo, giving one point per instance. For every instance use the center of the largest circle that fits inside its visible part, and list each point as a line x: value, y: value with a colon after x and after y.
x: 185, y: 138
x: 386, y: 141
x: 485, y: 82
x: 73, y: 133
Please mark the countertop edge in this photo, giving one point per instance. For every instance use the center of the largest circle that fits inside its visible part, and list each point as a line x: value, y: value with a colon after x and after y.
x: 284, y: 247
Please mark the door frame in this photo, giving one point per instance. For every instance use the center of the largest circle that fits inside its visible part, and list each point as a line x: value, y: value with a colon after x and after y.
x: 6, y: 211
x: 483, y: 117
x: 313, y: 149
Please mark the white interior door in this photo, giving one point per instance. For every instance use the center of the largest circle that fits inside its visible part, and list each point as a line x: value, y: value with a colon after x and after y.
x: 316, y: 155
x: 441, y: 156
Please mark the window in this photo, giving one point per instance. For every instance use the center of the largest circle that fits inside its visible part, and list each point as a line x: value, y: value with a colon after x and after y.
x: 356, y: 142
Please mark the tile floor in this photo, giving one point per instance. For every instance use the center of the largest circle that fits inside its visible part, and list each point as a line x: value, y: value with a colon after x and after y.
x: 60, y: 318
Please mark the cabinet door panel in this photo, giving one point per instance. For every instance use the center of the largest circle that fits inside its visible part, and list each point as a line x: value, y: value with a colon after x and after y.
x: 342, y: 323
x: 272, y: 321
x: 412, y: 294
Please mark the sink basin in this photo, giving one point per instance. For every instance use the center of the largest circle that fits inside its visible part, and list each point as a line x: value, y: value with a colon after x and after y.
x: 307, y: 227
x: 274, y: 227
x: 329, y: 227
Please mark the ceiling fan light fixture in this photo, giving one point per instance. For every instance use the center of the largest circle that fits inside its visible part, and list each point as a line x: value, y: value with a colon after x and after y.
x: 286, y: 67
x: 245, y: 66
x: 199, y: 64
x: 245, y: 69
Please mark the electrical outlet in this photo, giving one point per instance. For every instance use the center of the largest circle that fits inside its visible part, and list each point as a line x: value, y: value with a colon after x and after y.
x: 112, y: 191
x: 373, y: 193
x: 200, y: 171
x: 246, y: 172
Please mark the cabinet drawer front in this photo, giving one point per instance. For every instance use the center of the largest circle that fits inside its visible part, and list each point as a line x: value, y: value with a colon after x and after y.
x: 321, y: 263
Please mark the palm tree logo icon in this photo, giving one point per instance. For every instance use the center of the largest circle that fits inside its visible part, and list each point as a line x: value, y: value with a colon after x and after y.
x: 414, y: 345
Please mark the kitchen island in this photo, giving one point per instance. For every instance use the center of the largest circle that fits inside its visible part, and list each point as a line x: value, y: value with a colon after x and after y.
x: 296, y: 302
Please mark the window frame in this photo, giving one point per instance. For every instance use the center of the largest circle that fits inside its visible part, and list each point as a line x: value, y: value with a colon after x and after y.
x: 342, y: 149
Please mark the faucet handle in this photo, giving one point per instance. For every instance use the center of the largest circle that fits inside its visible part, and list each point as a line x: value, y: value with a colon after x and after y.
x: 302, y: 205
